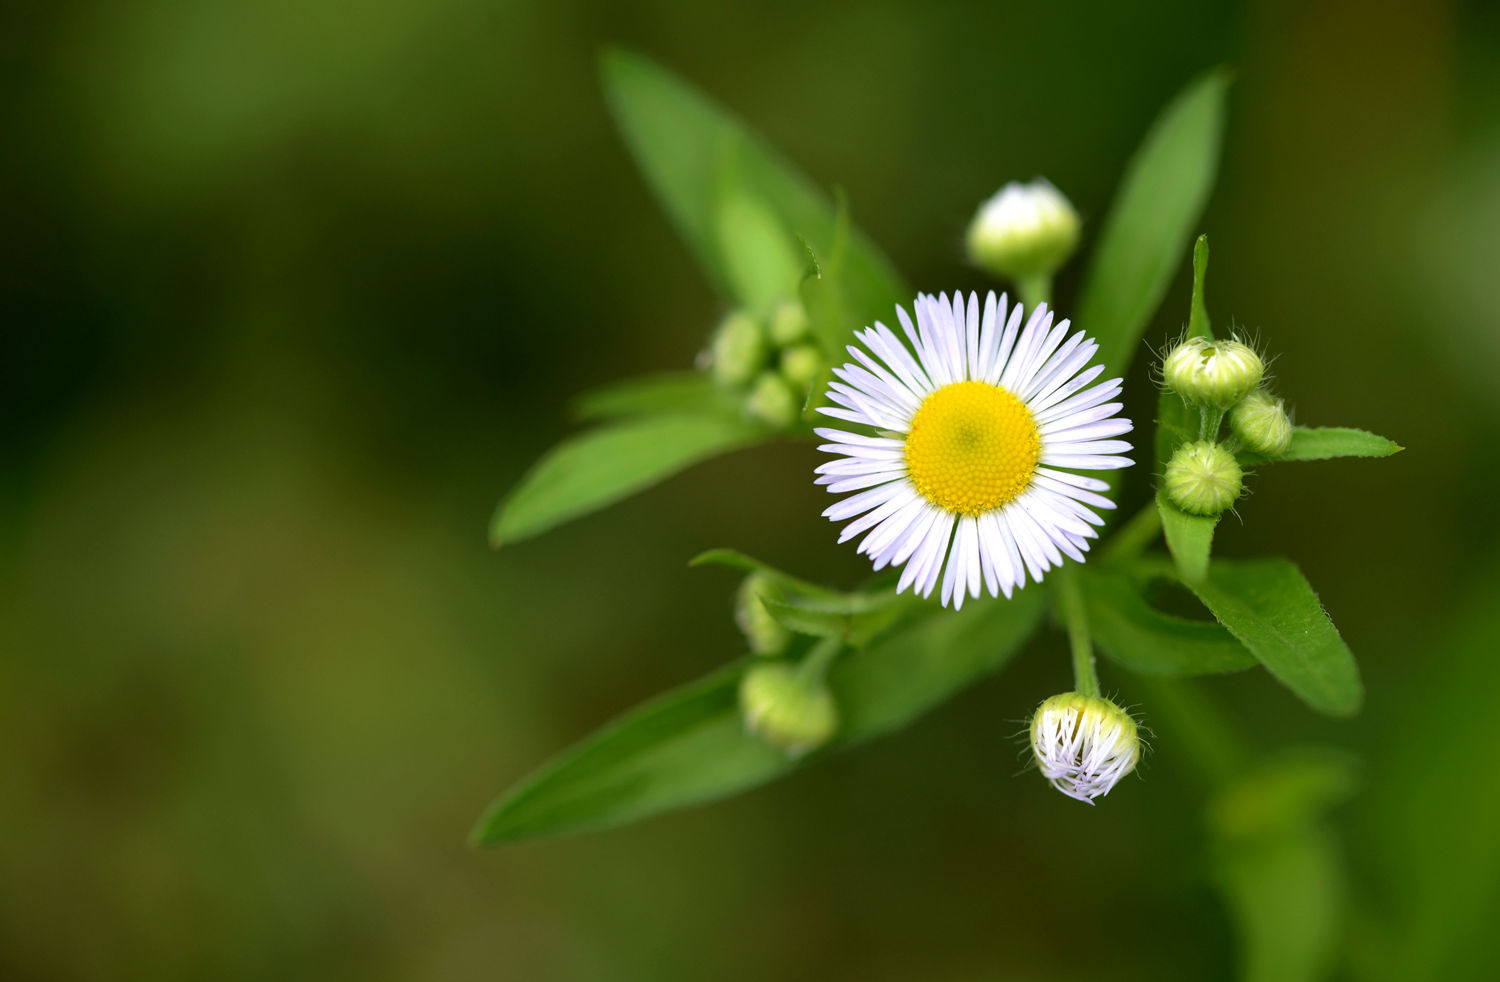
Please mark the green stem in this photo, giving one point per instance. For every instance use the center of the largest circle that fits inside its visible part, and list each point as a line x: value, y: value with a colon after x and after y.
x: 1134, y: 536
x: 1208, y: 423
x: 1070, y: 602
x: 1034, y: 290
x: 814, y: 666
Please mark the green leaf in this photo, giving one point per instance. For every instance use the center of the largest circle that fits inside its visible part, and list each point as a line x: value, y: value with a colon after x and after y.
x: 1137, y: 635
x: 925, y: 660
x: 670, y: 392
x: 734, y: 559
x: 1328, y: 442
x: 690, y: 745
x: 1153, y: 216
x: 1199, y: 325
x: 598, y: 468
x: 1190, y: 539
x: 1269, y: 606
x: 685, y: 746
x: 759, y: 256
x: 687, y: 147
x: 852, y: 618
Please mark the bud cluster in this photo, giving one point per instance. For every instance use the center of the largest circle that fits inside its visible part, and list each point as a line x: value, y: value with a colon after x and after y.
x: 770, y: 359
x: 1203, y: 477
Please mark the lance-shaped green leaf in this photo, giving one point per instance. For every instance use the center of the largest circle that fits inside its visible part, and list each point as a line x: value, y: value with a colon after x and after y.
x: 1329, y: 442
x: 1152, y: 220
x: 690, y: 745
x: 598, y: 468
x: 1190, y: 539
x: 852, y: 618
x: 1268, y: 605
x: 1134, y: 633
x: 654, y: 395
x: 688, y: 147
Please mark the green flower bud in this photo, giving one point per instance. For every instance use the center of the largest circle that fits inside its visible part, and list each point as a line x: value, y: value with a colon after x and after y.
x: 1084, y: 744
x: 787, y: 710
x: 772, y: 401
x: 1261, y: 423
x: 764, y: 633
x: 1212, y: 373
x: 739, y: 349
x: 1023, y: 231
x: 788, y: 323
x: 800, y: 365
x: 1203, y: 478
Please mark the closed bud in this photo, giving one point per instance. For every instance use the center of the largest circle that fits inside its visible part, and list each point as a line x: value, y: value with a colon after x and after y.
x: 739, y: 349
x: 763, y: 632
x: 1084, y: 744
x: 1203, y: 478
x: 800, y: 365
x: 1023, y: 231
x: 788, y: 323
x: 1212, y: 373
x: 786, y: 709
x: 1261, y: 423
x: 772, y: 401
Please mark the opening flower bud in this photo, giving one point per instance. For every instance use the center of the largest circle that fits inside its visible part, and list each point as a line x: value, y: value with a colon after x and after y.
x: 763, y: 632
x: 788, y: 323
x: 1084, y: 744
x: 1261, y: 423
x: 1213, y: 373
x: 800, y: 365
x: 1023, y: 231
x: 1203, y: 478
x: 772, y: 401
x: 786, y: 709
x: 739, y: 349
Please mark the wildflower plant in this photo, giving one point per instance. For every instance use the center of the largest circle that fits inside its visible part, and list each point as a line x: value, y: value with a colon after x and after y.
x: 977, y: 453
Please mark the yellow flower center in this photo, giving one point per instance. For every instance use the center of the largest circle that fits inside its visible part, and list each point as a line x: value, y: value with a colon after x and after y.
x: 972, y: 447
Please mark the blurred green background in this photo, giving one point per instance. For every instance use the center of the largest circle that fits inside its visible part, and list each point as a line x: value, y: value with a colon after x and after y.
x: 294, y: 290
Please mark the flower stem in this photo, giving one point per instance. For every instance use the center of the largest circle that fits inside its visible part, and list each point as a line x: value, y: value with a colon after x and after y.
x: 1070, y: 604
x: 814, y: 666
x: 1034, y: 290
x: 1132, y: 538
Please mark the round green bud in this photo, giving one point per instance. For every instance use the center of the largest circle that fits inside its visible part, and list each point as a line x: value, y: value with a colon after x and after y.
x: 1212, y: 373
x: 764, y: 633
x: 1084, y: 744
x: 772, y: 401
x: 739, y: 349
x: 800, y: 365
x: 1203, y: 478
x: 788, y: 323
x: 787, y: 710
x: 1023, y: 231
x: 1261, y: 423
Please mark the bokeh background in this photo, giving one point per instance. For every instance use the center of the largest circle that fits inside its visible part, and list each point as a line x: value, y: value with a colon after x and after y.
x: 293, y: 290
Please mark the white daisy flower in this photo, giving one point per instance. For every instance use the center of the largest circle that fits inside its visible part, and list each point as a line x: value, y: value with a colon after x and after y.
x: 979, y: 432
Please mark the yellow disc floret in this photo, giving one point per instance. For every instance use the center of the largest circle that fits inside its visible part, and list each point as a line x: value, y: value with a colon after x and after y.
x: 972, y: 447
